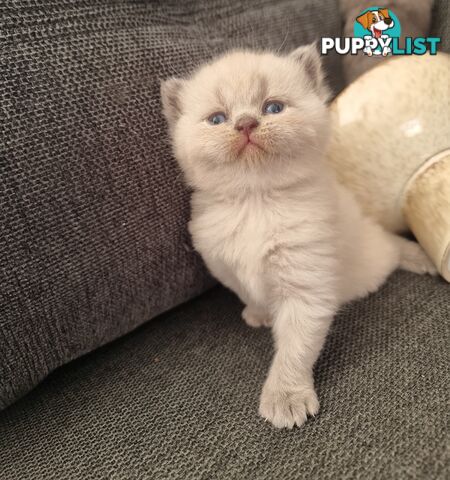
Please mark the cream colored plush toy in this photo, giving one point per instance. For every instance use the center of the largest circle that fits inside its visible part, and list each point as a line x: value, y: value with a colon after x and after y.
x: 391, y: 147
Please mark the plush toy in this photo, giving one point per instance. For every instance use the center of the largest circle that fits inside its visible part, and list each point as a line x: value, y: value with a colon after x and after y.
x: 391, y: 147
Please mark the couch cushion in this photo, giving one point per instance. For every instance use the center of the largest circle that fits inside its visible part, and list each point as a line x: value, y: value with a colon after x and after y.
x: 93, y: 215
x: 178, y: 399
x: 440, y: 26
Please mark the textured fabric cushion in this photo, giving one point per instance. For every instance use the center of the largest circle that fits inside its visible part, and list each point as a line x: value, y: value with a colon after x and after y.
x: 178, y: 399
x: 93, y: 212
x: 440, y: 26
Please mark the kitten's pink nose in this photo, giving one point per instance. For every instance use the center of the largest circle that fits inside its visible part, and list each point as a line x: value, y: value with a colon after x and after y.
x: 246, y: 123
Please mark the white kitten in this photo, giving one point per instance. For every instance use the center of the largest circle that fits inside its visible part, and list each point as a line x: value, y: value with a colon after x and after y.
x: 249, y: 131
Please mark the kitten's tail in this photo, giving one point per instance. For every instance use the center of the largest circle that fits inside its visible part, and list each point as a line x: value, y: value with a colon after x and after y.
x: 413, y: 257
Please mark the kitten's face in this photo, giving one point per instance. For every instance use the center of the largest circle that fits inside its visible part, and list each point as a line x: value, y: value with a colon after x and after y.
x: 246, y: 112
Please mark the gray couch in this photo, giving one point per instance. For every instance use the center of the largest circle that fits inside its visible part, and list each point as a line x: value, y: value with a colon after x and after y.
x: 93, y: 244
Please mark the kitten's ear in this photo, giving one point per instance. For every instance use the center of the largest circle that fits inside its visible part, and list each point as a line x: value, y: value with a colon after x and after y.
x: 170, y: 95
x: 309, y: 59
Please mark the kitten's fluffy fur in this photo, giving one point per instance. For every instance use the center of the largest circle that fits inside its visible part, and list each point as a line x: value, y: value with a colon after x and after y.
x: 271, y: 222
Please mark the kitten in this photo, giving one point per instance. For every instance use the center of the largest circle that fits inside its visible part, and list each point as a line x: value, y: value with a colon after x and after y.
x: 249, y: 131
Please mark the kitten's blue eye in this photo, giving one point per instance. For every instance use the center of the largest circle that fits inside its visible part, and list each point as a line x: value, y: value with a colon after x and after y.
x: 217, y: 118
x: 273, y: 107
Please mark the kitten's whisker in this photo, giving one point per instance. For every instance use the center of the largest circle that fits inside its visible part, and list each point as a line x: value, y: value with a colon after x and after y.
x: 284, y: 41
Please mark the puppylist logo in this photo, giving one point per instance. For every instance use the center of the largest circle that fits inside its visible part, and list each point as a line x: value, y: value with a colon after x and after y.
x: 377, y: 32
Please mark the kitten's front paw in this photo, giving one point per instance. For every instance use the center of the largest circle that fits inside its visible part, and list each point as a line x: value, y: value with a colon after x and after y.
x: 286, y: 408
x: 255, y: 319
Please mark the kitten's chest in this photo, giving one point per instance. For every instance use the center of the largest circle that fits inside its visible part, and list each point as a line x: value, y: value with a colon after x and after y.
x: 238, y: 234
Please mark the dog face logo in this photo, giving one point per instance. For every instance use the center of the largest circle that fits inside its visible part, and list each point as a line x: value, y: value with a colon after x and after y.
x: 377, y: 26
x: 376, y: 21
